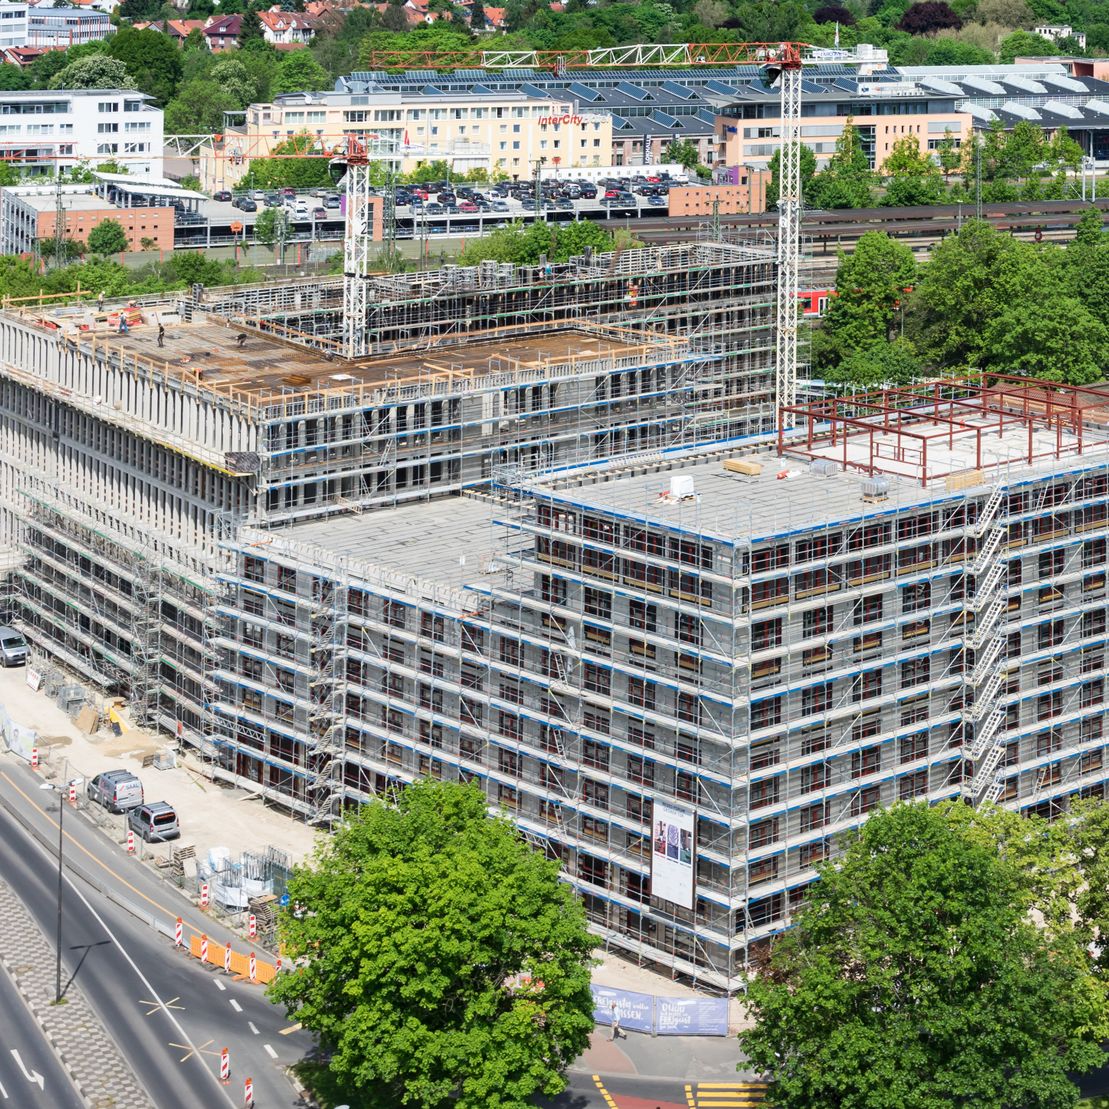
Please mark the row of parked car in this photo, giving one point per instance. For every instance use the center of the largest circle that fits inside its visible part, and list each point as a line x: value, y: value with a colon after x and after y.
x: 318, y: 204
x: 120, y: 791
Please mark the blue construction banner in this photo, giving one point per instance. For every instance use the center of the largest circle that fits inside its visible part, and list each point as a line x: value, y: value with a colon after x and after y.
x: 661, y: 1016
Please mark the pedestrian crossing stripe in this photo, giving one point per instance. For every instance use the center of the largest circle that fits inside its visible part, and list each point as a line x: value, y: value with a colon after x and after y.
x: 725, y: 1095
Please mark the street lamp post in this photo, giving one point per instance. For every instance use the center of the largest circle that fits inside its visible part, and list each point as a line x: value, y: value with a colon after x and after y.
x: 58, y: 930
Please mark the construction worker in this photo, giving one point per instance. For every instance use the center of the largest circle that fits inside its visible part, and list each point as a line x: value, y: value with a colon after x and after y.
x: 100, y: 301
x: 161, y: 335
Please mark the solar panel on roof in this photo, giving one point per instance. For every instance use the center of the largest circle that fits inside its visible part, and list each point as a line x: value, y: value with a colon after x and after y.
x: 584, y: 92
x: 634, y: 91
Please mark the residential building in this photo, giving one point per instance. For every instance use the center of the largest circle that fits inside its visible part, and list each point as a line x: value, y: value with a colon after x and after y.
x: 176, y: 29
x: 47, y: 130
x: 222, y: 32
x: 745, y: 195
x: 1053, y: 32
x: 28, y: 216
x: 505, y: 133
x: 287, y: 29
x: 13, y: 25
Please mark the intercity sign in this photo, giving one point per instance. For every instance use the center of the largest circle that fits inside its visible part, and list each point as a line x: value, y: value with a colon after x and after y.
x: 570, y: 120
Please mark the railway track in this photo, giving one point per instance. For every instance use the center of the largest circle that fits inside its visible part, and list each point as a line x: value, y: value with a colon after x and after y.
x: 828, y: 232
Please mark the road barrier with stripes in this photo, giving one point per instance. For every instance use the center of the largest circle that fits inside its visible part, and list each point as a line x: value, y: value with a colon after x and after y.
x: 240, y: 964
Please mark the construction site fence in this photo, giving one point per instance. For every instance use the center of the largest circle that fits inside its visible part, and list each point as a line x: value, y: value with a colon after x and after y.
x: 661, y: 1016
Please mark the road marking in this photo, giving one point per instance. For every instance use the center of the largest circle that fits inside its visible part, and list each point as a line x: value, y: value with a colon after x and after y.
x: 290, y: 1029
x: 226, y: 1097
x: 236, y: 1006
x: 726, y: 1095
x: 158, y: 1006
x: 604, y: 1093
x: 250, y: 1025
x: 32, y: 1076
x: 219, y: 984
x: 3, y: 1091
x: 269, y: 1051
x: 190, y: 1050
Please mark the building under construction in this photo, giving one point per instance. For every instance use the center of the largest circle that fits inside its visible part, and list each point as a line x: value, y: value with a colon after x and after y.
x: 687, y: 678
x: 127, y: 464
x: 510, y: 544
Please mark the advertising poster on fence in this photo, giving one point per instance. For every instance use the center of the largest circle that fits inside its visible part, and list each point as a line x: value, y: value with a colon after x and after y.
x: 691, y: 1016
x: 636, y: 1010
x: 672, y: 863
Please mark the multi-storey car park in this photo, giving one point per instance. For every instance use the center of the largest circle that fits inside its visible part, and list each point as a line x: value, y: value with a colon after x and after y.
x: 684, y: 668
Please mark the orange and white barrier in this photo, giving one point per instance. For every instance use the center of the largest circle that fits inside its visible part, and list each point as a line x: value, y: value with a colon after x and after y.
x: 252, y: 926
x: 34, y: 758
x: 203, y: 949
x: 130, y: 841
x: 204, y: 895
x: 227, y: 959
x: 225, y: 1066
x: 73, y: 793
x: 253, y: 971
x: 238, y: 964
x: 248, y: 1093
x: 178, y: 932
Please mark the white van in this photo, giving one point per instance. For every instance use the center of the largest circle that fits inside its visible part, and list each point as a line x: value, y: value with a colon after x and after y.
x: 156, y: 821
x: 116, y: 790
x: 13, y: 647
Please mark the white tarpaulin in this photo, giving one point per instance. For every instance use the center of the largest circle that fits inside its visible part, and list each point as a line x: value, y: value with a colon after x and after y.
x: 672, y: 855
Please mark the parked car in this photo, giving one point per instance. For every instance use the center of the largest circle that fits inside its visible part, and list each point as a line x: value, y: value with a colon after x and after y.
x: 244, y: 203
x: 588, y: 192
x: 223, y: 195
x: 657, y: 201
x: 467, y: 206
x: 154, y: 822
x: 500, y: 206
x: 258, y: 194
x: 288, y: 190
x: 319, y: 213
x: 116, y: 790
x: 332, y: 201
x: 13, y: 647
x: 273, y: 200
x: 434, y: 209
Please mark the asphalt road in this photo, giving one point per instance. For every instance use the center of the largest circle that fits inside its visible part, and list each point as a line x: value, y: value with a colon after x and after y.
x: 26, y: 1058
x: 169, y: 1015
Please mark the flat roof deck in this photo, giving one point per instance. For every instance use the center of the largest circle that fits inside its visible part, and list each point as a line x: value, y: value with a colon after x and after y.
x: 265, y: 370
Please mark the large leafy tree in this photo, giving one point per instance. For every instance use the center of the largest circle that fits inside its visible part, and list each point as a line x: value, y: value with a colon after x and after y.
x: 108, y: 237
x: 1023, y: 43
x: 928, y: 17
x: 444, y: 963
x: 97, y: 71
x: 972, y: 278
x: 914, y: 978
x: 847, y: 180
x: 871, y: 286
x: 298, y: 163
x: 1052, y: 336
x: 151, y: 58
x: 912, y: 176
x: 298, y: 71
x: 199, y: 106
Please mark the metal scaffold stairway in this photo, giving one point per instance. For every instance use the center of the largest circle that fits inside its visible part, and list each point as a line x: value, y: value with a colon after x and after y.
x: 985, y: 678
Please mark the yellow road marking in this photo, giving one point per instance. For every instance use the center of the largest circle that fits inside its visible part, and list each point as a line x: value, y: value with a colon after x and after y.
x: 604, y: 1093
x: 292, y: 1028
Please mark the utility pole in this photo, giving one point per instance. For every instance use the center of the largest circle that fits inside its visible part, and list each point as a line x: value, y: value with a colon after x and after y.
x: 977, y: 176
x: 716, y: 221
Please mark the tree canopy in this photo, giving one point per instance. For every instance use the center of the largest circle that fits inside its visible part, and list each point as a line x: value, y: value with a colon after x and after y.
x: 442, y: 962
x: 525, y: 244
x: 847, y: 180
x: 108, y: 237
x: 913, y: 177
x: 98, y: 71
x: 914, y: 978
x: 152, y: 59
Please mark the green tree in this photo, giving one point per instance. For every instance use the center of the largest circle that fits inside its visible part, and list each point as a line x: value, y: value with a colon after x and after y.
x: 235, y: 78
x: 1024, y: 43
x: 298, y: 71
x: 808, y: 169
x: 198, y: 108
x: 847, y: 180
x: 914, y: 979
x: 1088, y: 230
x: 1023, y: 149
x: 72, y: 249
x: 151, y: 58
x: 882, y: 363
x: 912, y: 176
x: 250, y: 31
x: 444, y: 961
x: 108, y: 237
x: 96, y: 72
x: 13, y: 78
x: 871, y: 285
x: 972, y: 277
x: 1064, y: 151
x: 949, y: 155
x: 1051, y: 336
x: 683, y: 152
